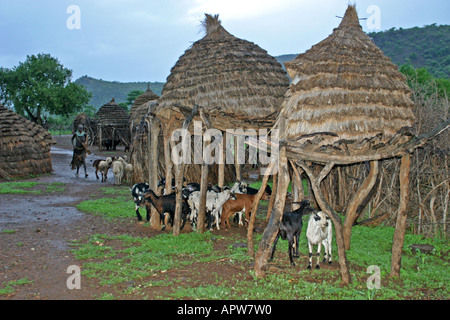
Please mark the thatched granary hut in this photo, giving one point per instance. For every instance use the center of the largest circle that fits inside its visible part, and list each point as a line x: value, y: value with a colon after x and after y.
x: 113, y: 125
x: 138, y: 110
x: 347, y: 104
x: 24, y: 146
x: 225, y: 83
x: 238, y: 84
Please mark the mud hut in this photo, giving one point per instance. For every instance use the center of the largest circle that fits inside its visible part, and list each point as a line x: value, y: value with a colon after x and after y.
x: 347, y: 104
x: 225, y: 83
x: 113, y: 125
x: 24, y: 146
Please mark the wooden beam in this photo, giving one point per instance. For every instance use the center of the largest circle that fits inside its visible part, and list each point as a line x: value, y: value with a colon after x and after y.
x: 402, y: 215
x: 271, y: 231
x: 356, y: 201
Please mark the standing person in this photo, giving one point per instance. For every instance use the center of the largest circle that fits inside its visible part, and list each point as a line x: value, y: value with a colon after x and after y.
x: 79, y: 149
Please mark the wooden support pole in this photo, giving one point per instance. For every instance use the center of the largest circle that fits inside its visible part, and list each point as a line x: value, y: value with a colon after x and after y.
x: 272, y: 196
x: 251, y: 226
x: 179, y: 171
x: 153, y: 125
x: 271, y: 231
x: 356, y: 201
x: 402, y: 215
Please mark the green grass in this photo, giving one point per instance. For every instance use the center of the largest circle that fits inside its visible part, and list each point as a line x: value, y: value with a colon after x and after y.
x: 30, y: 188
x: 115, y: 260
x: 10, y: 287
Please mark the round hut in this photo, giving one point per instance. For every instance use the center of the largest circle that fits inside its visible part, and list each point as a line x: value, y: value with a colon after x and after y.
x: 238, y: 84
x: 113, y: 126
x: 24, y: 146
x: 347, y: 104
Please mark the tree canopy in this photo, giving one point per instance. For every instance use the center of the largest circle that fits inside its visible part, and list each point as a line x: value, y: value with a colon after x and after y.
x: 41, y: 86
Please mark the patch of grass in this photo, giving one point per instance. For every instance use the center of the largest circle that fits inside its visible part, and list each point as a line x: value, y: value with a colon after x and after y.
x: 10, y: 287
x: 30, y: 187
x: 109, y: 208
x: 9, y: 231
x: 118, y: 259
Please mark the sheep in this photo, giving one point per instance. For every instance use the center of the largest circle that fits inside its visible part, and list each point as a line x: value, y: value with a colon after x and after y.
x: 319, y: 232
x: 290, y: 229
x: 137, y: 192
x: 165, y: 204
x: 243, y: 202
x: 214, y: 203
x: 103, y: 166
x: 118, y: 167
x: 128, y: 171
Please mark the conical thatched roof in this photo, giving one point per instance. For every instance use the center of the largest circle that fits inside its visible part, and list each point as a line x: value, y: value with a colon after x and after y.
x: 346, y: 88
x: 111, y: 114
x: 24, y: 146
x: 138, y: 109
x: 239, y: 84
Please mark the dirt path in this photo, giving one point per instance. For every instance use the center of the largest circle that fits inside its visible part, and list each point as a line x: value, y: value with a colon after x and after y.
x: 44, y: 227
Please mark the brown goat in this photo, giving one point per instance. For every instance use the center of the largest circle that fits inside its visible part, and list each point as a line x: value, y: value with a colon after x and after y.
x: 243, y: 201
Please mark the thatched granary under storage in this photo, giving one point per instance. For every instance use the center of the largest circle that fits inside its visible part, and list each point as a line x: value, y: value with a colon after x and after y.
x: 113, y: 124
x: 238, y: 84
x: 24, y: 146
x: 347, y: 104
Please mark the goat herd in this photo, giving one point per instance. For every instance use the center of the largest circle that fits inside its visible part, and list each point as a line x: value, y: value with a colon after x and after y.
x: 235, y: 202
x: 221, y: 205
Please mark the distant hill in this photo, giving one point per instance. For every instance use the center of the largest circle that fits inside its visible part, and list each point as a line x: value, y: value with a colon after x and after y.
x: 103, y: 91
x: 427, y: 47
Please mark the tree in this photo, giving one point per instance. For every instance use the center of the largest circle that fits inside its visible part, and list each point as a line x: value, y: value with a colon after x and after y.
x: 40, y: 86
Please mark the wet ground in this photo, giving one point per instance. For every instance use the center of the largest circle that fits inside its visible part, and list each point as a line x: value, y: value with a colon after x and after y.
x: 44, y: 226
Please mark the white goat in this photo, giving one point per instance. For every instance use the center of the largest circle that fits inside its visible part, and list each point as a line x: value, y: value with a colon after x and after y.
x: 214, y: 203
x: 319, y: 232
x: 118, y: 167
x: 103, y: 167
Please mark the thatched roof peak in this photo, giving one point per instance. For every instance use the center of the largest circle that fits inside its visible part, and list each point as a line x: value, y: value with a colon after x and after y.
x: 345, y: 89
x: 350, y: 18
x: 213, y: 27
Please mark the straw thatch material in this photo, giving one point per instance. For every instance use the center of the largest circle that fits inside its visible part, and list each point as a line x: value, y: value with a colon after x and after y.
x: 111, y: 114
x: 347, y: 89
x: 24, y: 146
x: 113, y: 123
x: 138, y: 110
x: 239, y: 84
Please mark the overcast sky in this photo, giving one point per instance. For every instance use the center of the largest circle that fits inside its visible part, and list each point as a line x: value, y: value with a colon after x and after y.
x: 141, y: 40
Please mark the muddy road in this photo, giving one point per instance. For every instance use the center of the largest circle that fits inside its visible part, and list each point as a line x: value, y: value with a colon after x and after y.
x: 36, y: 230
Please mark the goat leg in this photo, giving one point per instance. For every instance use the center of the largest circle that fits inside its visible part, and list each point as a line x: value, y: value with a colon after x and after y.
x: 139, y: 217
x: 274, y: 246
x: 319, y: 248
x: 291, y: 249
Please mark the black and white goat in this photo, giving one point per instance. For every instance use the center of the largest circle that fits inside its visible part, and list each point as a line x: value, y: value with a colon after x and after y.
x: 319, y: 232
x: 290, y: 229
x: 137, y: 193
